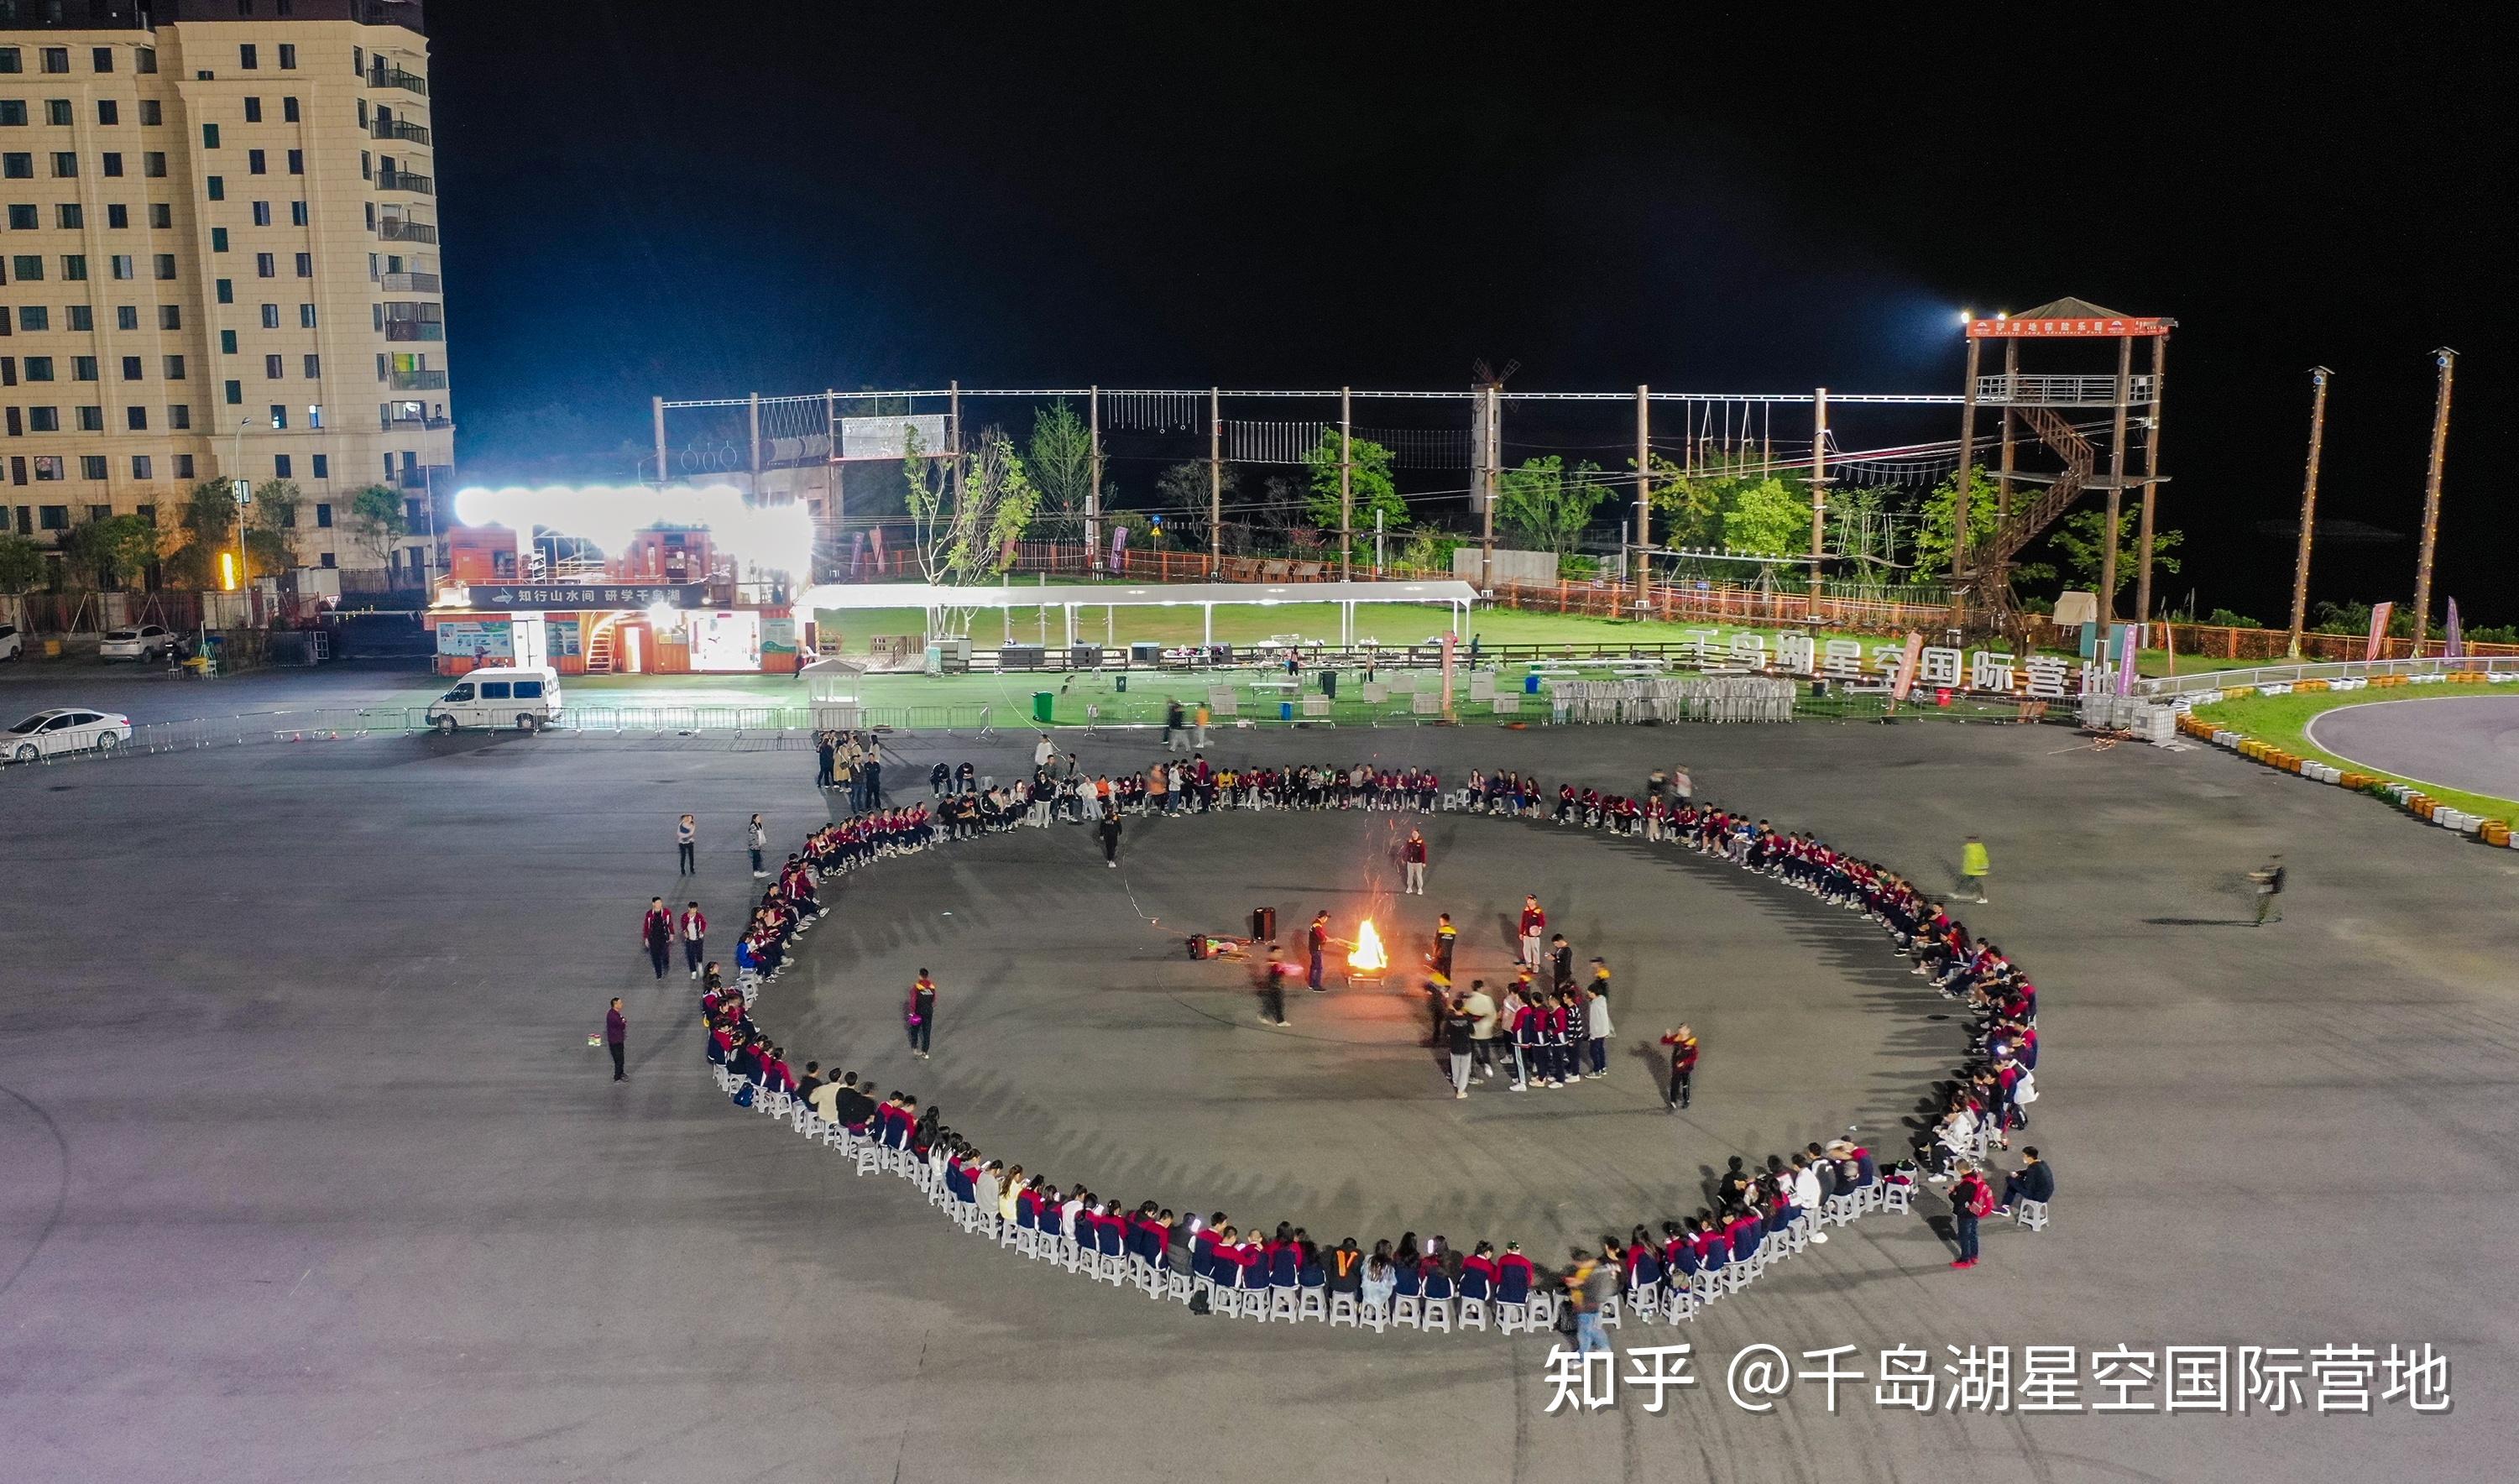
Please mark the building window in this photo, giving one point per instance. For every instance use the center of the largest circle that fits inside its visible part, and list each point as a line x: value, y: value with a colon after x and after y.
x: 306, y: 265
x: 314, y: 368
x: 68, y: 215
x: 12, y: 59
x: 254, y: 110
x: 65, y: 164
x: 366, y: 166
x: 234, y: 391
x: 174, y: 368
x: 170, y: 317
x: 219, y: 239
x: 180, y: 415
x: 144, y: 60
x: 74, y: 267
x: 161, y: 215
x: 107, y: 112
x: 289, y: 57
x: 56, y: 112
x: 227, y: 342
x: 18, y: 166
x: 111, y: 164
x: 183, y: 465
x: 305, y: 317
x: 34, y: 317
x: 142, y: 470
x: 270, y: 317
x: 210, y: 136
x: 12, y: 114
x: 324, y: 470
x: 153, y: 165
x: 297, y: 213
x: 117, y: 216
x: 81, y: 316
x: 324, y: 558
x: 92, y: 467
x: 265, y: 266
x: 278, y: 415
x: 23, y: 218
x: 262, y: 213
x: 83, y: 369
x: 57, y: 58
x: 216, y: 185
x: 253, y: 162
x: 136, y: 419
x: 102, y: 59
x: 165, y: 265
x: 371, y: 214
x: 121, y: 266
x: 281, y: 466
x: 150, y: 113
x: 248, y: 57
x: 131, y: 368
x: 91, y: 420
x: 288, y: 111
x: 43, y: 420
x: 271, y: 368
x: 296, y: 161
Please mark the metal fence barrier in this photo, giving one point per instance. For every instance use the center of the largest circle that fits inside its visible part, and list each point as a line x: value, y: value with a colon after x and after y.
x: 2183, y: 687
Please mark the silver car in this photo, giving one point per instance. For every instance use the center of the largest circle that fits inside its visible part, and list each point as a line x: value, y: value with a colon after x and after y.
x: 62, y: 730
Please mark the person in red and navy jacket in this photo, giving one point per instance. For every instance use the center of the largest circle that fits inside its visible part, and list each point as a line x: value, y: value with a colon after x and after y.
x: 1514, y: 1276
x: 1479, y: 1272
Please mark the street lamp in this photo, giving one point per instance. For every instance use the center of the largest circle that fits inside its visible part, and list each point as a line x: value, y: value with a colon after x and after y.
x: 242, y: 488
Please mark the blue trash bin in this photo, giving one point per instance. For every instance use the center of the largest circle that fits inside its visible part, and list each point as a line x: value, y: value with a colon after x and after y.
x: 1285, y: 710
x: 1530, y: 684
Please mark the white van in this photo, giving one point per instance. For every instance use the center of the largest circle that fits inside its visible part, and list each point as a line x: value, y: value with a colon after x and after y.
x: 527, y: 699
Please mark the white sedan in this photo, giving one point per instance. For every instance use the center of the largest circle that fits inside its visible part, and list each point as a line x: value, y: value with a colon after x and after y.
x: 64, y: 729
x: 149, y: 641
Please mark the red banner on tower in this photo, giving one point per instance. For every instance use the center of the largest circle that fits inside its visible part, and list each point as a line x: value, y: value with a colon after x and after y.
x: 2065, y: 329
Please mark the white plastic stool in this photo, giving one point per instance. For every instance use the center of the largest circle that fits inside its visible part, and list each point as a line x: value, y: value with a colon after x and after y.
x: 1406, y: 1310
x: 1474, y: 1313
x: 2030, y: 1214
x: 1311, y: 1305
x: 1439, y: 1315
x: 1344, y: 1309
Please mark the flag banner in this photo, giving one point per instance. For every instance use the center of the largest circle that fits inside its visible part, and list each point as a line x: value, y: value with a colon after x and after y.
x: 2125, y: 658
x: 2456, y: 639
x: 2378, y: 629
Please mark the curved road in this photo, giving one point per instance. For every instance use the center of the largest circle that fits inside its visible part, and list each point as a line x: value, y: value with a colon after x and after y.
x: 2466, y: 742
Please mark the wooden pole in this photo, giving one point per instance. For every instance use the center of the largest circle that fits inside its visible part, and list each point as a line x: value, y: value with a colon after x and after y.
x: 1487, y: 513
x: 2447, y: 359
x: 1960, y: 554
x: 2150, y: 480
x: 755, y: 406
x: 1215, y: 477
x: 1643, y: 574
x: 1347, y: 492
x: 953, y: 435
x: 2318, y: 376
x: 2003, y: 478
x: 1819, y: 489
x: 1093, y: 489
x: 2116, y: 485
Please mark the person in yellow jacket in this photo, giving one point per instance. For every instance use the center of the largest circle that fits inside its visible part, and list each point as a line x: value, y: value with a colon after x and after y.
x: 1973, y: 867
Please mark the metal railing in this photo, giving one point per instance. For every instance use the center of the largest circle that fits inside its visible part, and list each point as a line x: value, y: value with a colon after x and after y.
x: 396, y: 128
x: 2061, y: 391
x: 404, y: 180
x: 396, y: 229
x: 2216, y: 681
x: 383, y: 75
x: 420, y: 380
x: 409, y: 283
x: 415, y: 329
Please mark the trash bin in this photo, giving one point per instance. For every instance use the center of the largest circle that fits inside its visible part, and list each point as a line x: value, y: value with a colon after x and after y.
x: 1530, y: 684
x: 1264, y: 923
x: 1285, y: 710
x: 1329, y: 683
x: 1040, y: 704
x: 1123, y: 682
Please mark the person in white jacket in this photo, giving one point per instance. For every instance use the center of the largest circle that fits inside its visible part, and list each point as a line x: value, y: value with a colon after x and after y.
x: 1806, y: 1193
x: 1596, y: 1018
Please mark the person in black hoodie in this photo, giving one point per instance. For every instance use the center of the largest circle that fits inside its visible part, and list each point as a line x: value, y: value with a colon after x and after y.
x: 2034, y: 1181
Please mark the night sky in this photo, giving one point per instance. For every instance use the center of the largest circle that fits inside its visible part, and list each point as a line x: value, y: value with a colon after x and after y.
x: 711, y: 199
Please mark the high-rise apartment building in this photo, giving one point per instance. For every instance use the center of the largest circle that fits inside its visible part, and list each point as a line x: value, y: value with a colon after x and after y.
x: 219, y: 260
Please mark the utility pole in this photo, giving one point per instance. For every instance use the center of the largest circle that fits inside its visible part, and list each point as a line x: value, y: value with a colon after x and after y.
x: 1215, y: 482
x: 2116, y: 483
x: 1347, y: 492
x: 661, y: 472
x: 1093, y: 489
x: 2317, y: 380
x: 2151, y: 479
x: 1819, y: 488
x: 1960, y: 485
x: 1487, y: 458
x: 1644, y: 498
x: 2447, y: 359
x: 2003, y: 476
x: 953, y: 436
x: 755, y: 406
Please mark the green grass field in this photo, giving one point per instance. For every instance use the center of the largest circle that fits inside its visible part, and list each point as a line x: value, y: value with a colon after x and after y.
x: 2284, y: 720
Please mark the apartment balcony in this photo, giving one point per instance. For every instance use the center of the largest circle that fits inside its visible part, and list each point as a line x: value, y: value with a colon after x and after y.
x: 418, y: 380
x: 394, y: 229
x: 404, y: 180
x: 383, y: 75
x: 396, y: 128
x: 409, y: 283
x: 424, y: 477
x: 415, y: 329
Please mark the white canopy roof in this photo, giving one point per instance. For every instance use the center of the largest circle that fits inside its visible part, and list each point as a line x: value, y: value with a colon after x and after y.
x: 852, y: 595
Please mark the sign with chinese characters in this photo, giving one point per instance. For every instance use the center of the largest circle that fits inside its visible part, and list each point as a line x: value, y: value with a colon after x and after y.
x: 1922, y: 667
x: 589, y: 594
x: 2065, y: 329
x: 479, y: 640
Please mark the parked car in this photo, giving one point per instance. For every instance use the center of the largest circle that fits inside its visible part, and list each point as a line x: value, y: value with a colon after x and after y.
x: 527, y: 699
x: 12, y: 644
x: 149, y: 641
x: 64, y: 729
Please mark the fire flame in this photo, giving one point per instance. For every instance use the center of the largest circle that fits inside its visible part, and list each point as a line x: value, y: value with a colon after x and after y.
x: 1367, y: 953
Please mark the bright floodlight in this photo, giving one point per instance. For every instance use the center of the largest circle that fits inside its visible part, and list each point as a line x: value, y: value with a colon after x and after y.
x: 772, y: 538
x: 1966, y: 317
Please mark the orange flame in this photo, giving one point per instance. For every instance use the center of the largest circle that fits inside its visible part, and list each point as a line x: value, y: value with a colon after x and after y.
x: 1367, y: 953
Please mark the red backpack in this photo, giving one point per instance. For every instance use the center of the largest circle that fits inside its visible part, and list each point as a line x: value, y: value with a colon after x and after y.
x: 1980, y: 1198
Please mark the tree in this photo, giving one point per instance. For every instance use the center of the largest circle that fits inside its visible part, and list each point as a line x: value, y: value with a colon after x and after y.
x: 1771, y: 517
x: 206, y: 524
x: 1181, y: 491
x: 966, y: 528
x: 1060, y: 458
x: 113, y: 552
x: 22, y: 563
x: 1369, y: 484
x: 271, y: 527
x: 1546, y: 508
x: 1687, y: 512
x: 378, y: 522
x: 1933, y: 531
x: 2080, y: 541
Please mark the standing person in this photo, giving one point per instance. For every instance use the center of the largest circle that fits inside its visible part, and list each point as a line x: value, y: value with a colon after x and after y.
x: 1481, y: 1007
x: 1595, y: 1019
x: 1970, y: 1199
x: 1172, y: 727
x: 1561, y: 963
x: 921, y: 1015
x: 871, y: 773
x: 1272, y: 987
x: 686, y: 839
x: 1682, y: 1042
x: 1972, y: 867
x: 1412, y: 858
x: 1587, y: 1284
x: 1460, y: 1032
x: 1533, y: 925
x: 757, y: 839
x: 656, y: 931
x: 1043, y: 752
x: 695, y: 933
x: 826, y: 750
x: 1680, y: 788
x: 616, y: 1040
x: 1110, y: 829
x: 1198, y: 736
x: 1445, y: 935
x: 1318, y: 939
x: 2268, y: 879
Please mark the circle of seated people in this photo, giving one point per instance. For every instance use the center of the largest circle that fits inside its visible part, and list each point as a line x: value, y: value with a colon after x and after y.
x: 1663, y: 1273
